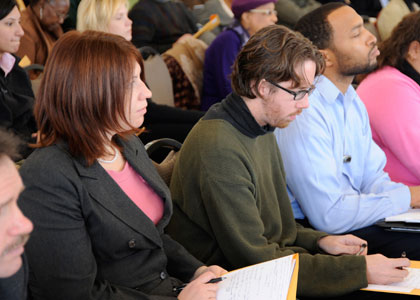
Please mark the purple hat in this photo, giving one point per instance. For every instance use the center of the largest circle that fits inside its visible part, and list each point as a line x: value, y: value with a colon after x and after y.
x: 241, y: 6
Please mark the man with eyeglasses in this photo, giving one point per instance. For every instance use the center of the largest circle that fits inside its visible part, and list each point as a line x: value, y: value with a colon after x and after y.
x: 228, y: 185
x: 334, y: 169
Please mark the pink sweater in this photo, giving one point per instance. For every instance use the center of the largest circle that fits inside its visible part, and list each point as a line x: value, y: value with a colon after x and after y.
x: 392, y: 100
x: 139, y: 192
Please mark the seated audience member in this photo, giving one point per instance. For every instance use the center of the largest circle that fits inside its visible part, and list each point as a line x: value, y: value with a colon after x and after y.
x: 230, y: 200
x: 160, y: 120
x: 16, y: 96
x: 71, y: 20
x: 334, y: 169
x: 98, y: 205
x: 159, y: 24
x: 289, y: 11
x: 392, y: 98
x: 41, y: 22
x: 14, y: 226
x: 393, y: 13
x: 250, y: 16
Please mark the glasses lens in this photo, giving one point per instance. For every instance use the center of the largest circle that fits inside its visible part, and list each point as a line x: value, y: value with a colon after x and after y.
x: 300, y: 94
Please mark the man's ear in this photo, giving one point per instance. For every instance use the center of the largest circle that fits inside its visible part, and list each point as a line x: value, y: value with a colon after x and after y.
x: 263, y: 89
x: 328, y: 57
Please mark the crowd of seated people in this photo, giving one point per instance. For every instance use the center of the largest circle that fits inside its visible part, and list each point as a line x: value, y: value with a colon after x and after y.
x: 103, y: 222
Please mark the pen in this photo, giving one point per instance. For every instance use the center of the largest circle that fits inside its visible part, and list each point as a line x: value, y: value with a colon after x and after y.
x: 216, y: 280
x: 403, y: 255
x: 178, y: 289
x: 362, y: 248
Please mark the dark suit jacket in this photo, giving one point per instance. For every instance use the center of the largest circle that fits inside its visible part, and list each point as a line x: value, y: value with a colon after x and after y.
x: 16, y: 103
x: 90, y: 240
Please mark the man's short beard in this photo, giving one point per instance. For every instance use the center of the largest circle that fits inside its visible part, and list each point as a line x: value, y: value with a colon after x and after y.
x: 356, y: 70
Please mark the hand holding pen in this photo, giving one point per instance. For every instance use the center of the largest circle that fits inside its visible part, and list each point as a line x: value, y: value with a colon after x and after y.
x: 403, y: 255
x: 362, y: 248
x: 203, y: 287
x: 384, y: 270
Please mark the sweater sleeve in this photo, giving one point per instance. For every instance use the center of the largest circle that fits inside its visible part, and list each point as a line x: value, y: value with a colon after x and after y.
x: 181, y: 264
x: 235, y: 217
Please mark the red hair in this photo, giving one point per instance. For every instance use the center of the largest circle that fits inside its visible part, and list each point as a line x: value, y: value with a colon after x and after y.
x: 84, y: 92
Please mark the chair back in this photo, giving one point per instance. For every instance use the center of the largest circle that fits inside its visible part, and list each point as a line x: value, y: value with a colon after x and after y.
x: 158, y: 78
x: 166, y: 145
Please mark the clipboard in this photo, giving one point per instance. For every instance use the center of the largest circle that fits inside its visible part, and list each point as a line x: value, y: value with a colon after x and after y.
x: 240, y: 283
x: 291, y: 295
x: 390, y: 289
x: 399, y: 226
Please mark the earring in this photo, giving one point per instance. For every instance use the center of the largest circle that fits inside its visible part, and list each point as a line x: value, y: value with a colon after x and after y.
x: 41, y: 13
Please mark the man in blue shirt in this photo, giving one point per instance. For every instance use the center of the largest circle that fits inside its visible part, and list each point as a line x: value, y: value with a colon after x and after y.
x: 334, y: 169
x: 14, y: 226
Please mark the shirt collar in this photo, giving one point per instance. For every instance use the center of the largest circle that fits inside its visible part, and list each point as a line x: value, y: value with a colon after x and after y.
x: 330, y: 92
x: 7, y: 62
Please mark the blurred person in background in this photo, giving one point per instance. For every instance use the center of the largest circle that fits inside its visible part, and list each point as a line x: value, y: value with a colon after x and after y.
x: 392, y: 97
x: 250, y: 16
x: 16, y: 96
x: 41, y: 21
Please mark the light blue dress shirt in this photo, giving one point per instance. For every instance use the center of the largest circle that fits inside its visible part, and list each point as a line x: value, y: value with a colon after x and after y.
x: 334, y: 195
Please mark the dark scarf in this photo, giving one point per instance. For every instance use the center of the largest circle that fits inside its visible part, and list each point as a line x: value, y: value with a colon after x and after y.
x: 234, y: 110
x: 408, y: 70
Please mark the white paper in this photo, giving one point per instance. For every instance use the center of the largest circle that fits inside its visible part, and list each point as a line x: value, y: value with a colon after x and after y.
x: 411, y: 216
x: 412, y: 281
x: 269, y: 281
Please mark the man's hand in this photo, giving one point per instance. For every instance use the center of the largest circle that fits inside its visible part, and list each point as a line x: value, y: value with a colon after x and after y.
x: 415, y: 196
x: 383, y: 270
x: 342, y: 244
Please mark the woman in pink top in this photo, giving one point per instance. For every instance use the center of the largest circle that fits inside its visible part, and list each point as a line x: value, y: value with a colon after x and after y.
x: 392, y: 98
x: 97, y: 202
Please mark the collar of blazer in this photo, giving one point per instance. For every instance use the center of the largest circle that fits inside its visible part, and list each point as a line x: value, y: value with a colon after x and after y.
x: 112, y: 197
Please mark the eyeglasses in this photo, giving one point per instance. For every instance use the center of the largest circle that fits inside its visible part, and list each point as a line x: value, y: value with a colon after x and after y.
x: 58, y: 14
x: 267, y: 12
x: 299, y: 95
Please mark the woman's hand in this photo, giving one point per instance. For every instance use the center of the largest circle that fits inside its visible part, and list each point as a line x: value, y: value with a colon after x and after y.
x: 199, y: 289
x: 216, y: 270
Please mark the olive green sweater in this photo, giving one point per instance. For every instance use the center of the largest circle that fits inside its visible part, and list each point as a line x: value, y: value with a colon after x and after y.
x: 231, y: 205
